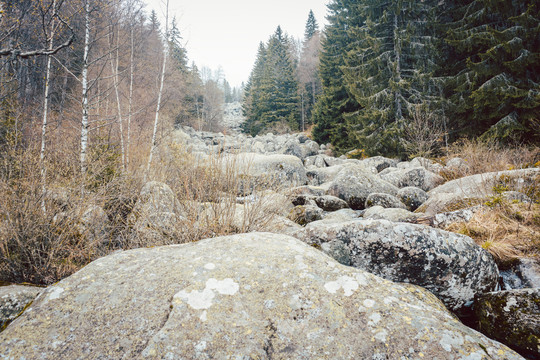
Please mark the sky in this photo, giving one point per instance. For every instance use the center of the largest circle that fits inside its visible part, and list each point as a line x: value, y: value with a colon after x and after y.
x: 227, y: 33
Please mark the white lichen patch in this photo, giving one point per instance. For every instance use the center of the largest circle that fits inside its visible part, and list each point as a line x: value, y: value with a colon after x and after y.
x: 347, y: 283
x: 210, y: 266
x: 510, y: 303
x: 451, y: 339
x: 374, y: 319
x: 201, y: 300
x: 368, y: 303
x: 55, y: 293
x: 381, y: 335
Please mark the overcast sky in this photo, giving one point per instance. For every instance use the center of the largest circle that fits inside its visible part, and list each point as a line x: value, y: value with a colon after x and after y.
x: 227, y: 33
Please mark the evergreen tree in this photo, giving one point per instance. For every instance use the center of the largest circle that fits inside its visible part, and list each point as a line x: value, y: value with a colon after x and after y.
x: 312, y: 27
x: 177, y: 51
x: 335, y: 100
x: 252, y: 99
x: 271, y: 95
x: 495, y: 83
x: 154, y: 22
x: 389, y: 71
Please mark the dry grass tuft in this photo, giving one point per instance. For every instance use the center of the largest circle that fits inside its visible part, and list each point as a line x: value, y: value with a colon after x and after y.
x: 508, y: 230
x: 483, y: 157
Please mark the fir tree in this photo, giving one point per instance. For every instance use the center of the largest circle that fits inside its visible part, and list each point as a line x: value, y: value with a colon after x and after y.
x: 389, y: 71
x: 495, y: 83
x: 252, y: 97
x: 335, y: 100
x: 177, y: 51
x: 312, y: 27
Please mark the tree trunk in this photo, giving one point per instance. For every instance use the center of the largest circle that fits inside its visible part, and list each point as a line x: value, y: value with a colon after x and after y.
x: 50, y: 44
x: 84, y: 81
x: 114, y: 73
x: 130, y: 101
x: 158, y: 108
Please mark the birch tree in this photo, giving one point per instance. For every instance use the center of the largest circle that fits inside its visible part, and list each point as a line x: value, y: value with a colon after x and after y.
x: 160, y: 93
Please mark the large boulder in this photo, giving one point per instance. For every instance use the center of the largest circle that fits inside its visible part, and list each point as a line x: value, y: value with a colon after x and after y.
x: 412, y: 197
x: 512, y: 317
x: 384, y: 200
x: 449, y: 265
x: 354, y: 184
x: 252, y: 296
x: 157, y: 212
x: 274, y: 170
x: 418, y: 177
x: 470, y: 190
x: 390, y: 214
x: 13, y: 300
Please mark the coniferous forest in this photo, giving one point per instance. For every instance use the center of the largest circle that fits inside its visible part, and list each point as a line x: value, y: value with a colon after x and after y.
x: 400, y: 78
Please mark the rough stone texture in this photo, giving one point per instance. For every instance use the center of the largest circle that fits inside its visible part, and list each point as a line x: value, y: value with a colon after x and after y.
x: 427, y: 164
x: 304, y: 214
x: 512, y: 317
x: 384, y: 200
x: 444, y: 219
x: 94, y: 223
x: 457, y: 165
x: 391, y: 214
x: 247, y: 296
x: 354, y: 184
x: 380, y: 163
x: 477, y: 187
x: 449, y: 265
x: 412, y: 197
x: 322, y: 175
x: 418, y: 177
x: 330, y: 203
x: 342, y: 215
x: 13, y: 300
x: 275, y: 170
x: 516, y: 196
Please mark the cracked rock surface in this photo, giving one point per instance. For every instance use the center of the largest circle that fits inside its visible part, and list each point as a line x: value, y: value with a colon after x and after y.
x: 256, y: 296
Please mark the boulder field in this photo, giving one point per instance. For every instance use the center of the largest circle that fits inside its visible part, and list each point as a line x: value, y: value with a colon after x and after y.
x: 247, y: 296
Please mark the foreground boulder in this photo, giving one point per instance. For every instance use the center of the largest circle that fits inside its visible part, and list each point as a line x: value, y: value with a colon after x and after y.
x: 13, y: 300
x: 512, y: 317
x: 449, y: 265
x: 254, y: 295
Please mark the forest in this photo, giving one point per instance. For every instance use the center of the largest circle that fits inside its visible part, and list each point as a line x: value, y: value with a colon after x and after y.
x: 404, y: 78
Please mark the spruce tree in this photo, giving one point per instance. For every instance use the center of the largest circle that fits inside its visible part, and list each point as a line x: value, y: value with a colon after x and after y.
x: 335, y: 100
x: 252, y: 96
x: 389, y: 71
x: 495, y: 83
x: 177, y: 51
x: 312, y: 26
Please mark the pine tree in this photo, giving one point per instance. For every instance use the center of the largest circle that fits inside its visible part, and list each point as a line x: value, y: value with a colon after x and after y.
x: 312, y: 27
x: 389, y: 71
x: 335, y: 100
x: 495, y: 83
x: 271, y: 95
x: 177, y: 51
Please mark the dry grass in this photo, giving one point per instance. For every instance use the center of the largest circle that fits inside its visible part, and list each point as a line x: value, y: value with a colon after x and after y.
x: 42, y: 247
x: 508, y: 230
x: 482, y: 157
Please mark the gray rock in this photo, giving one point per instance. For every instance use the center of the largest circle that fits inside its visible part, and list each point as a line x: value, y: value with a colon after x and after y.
x: 342, y: 215
x: 516, y: 196
x: 304, y: 214
x: 471, y: 190
x: 513, y: 318
x: 322, y: 175
x: 412, y: 197
x: 384, y: 200
x: 417, y: 177
x: 457, y: 165
x: 354, y: 184
x: 306, y: 190
x: 427, y: 164
x: 449, y: 265
x: 388, y: 170
x: 13, y: 300
x: 245, y: 296
x: 330, y: 203
x: 443, y: 220
x: 380, y: 163
x: 390, y: 214
x: 266, y: 170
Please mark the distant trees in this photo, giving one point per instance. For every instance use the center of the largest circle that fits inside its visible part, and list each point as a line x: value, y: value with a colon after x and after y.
x: 271, y: 95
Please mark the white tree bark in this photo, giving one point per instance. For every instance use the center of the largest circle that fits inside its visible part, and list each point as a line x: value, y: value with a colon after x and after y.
x: 158, y: 108
x: 50, y: 44
x: 114, y: 73
x: 84, y: 81
x: 130, y: 101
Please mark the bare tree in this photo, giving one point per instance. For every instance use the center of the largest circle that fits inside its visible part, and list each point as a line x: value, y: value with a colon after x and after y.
x: 160, y: 93
x: 424, y: 133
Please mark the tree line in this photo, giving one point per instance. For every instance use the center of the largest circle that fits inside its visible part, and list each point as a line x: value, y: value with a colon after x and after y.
x: 401, y: 77
x: 99, y: 75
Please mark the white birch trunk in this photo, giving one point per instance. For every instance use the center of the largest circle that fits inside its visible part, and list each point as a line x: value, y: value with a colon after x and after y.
x: 114, y: 72
x: 45, y: 112
x: 158, y: 108
x: 130, y: 101
x: 84, y: 81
